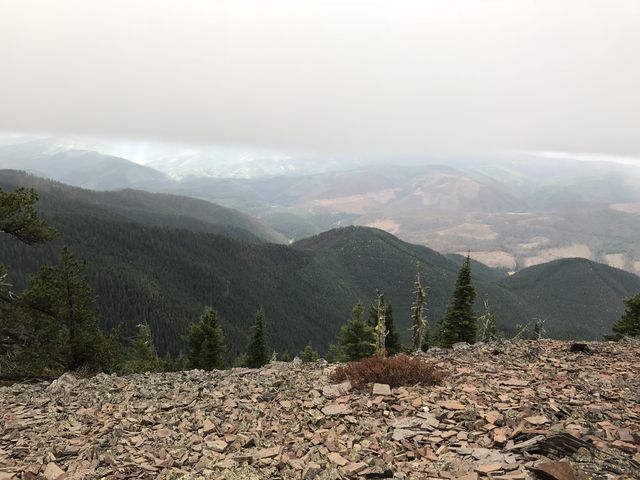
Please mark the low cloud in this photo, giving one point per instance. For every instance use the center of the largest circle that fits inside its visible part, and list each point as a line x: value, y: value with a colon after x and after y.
x: 406, y: 77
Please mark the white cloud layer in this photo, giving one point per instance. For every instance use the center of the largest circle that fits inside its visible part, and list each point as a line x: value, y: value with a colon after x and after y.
x: 398, y: 76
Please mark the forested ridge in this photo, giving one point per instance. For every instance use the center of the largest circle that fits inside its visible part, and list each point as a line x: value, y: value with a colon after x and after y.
x: 164, y: 276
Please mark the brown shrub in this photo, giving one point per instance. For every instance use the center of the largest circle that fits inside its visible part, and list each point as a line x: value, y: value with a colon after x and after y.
x: 396, y: 371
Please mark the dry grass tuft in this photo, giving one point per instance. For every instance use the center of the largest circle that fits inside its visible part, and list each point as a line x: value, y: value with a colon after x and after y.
x: 396, y: 371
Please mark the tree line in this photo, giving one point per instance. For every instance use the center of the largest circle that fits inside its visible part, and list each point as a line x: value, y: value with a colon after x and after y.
x: 53, y: 324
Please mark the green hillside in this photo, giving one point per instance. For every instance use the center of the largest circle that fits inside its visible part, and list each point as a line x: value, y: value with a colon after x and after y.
x: 142, y: 207
x: 83, y: 168
x: 164, y: 276
x: 576, y: 297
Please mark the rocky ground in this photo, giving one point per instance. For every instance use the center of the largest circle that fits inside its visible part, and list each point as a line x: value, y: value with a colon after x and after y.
x: 517, y: 410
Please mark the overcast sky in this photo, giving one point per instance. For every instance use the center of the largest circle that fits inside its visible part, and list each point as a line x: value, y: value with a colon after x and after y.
x: 420, y: 76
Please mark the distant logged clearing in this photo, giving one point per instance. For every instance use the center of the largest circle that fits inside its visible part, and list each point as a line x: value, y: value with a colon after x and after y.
x: 479, y: 231
x: 386, y: 224
x: 549, y: 254
x: 617, y: 260
x: 495, y: 259
x: 627, y: 207
x: 358, y: 204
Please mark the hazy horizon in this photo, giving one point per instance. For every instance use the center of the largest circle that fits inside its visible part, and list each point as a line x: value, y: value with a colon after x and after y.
x: 374, y: 77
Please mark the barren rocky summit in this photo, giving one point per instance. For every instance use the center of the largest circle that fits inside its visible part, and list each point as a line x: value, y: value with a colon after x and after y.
x: 513, y: 410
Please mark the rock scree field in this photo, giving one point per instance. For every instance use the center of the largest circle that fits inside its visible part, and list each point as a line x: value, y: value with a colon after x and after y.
x: 511, y: 410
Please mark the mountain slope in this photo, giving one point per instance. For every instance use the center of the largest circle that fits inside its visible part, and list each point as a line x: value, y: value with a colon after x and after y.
x: 82, y: 168
x: 165, y: 276
x: 576, y: 297
x: 146, y: 208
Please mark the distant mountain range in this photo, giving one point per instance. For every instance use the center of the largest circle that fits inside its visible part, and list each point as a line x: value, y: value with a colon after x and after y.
x: 160, y: 259
x: 510, y: 211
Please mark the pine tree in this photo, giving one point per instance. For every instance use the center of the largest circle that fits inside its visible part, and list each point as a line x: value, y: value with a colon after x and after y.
x: 459, y: 322
x: 356, y: 337
x: 428, y: 339
x: 309, y: 355
x: 240, y: 361
x: 205, y: 342
x: 392, y: 342
x: 62, y: 293
x: 419, y: 327
x: 629, y: 323
x: 489, y: 328
x: 332, y: 355
x: 18, y: 217
x: 285, y: 356
x: 257, y: 351
x: 142, y: 353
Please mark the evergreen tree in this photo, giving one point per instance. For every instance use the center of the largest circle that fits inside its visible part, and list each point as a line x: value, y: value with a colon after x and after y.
x: 309, y: 355
x: 459, y: 322
x: 62, y: 293
x: 392, y: 342
x: 356, y: 337
x: 241, y: 361
x: 18, y: 217
x: 489, y: 328
x: 285, y: 356
x: 419, y: 327
x: 205, y: 342
x: 332, y: 355
x: 629, y: 323
x: 428, y: 338
x: 257, y: 351
x: 142, y: 353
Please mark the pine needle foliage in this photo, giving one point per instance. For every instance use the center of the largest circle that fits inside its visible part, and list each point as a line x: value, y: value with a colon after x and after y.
x: 356, y: 337
x: 142, y: 353
x: 257, y: 351
x: 459, y: 322
x: 309, y: 355
x: 629, y: 323
x: 205, y: 342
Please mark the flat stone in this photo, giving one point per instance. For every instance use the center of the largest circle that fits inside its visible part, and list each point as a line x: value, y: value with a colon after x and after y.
x: 381, y: 389
x: 468, y: 476
x: 401, y: 433
x: 53, y: 472
x: 208, y: 426
x: 407, y: 422
x: 515, y: 382
x: 451, y: 405
x: 266, y: 453
x: 355, y: 467
x: 556, y: 470
x: 627, y: 447
x: 489, y: 467
x: 336, y: 390
x: 312, y: 470
x: 163, y: 433
x: 336, y: 409
x: 537, y: 420
x: 218, y: 446
x: 338, y: 459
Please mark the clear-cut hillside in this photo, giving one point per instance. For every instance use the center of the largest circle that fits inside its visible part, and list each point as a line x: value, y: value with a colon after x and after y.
x: 504, y: 411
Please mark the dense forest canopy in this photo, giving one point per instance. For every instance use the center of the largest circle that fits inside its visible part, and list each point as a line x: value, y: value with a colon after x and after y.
x: 164, y: 275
